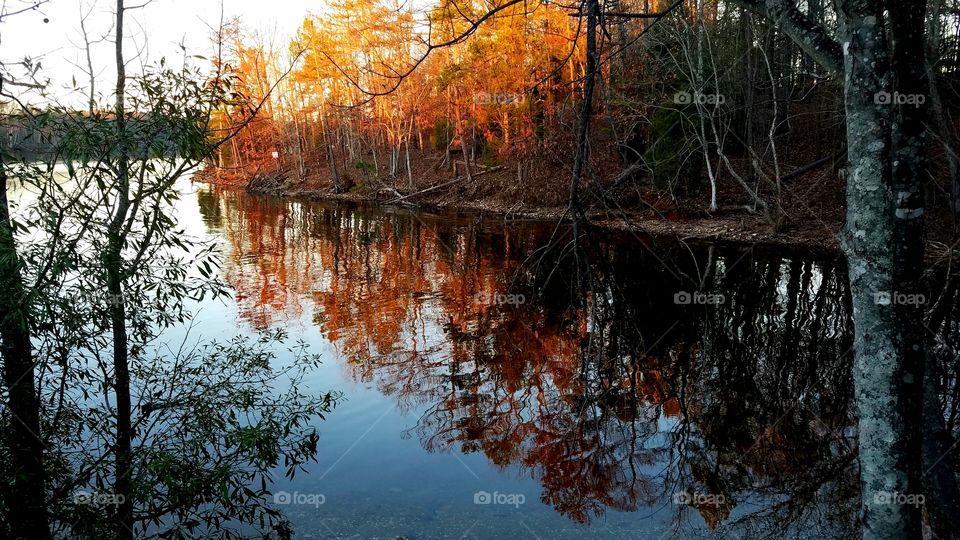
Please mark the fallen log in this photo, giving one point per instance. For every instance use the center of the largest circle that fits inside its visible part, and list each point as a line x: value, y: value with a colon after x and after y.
x: 438, y: 186
x: 431, y: 188
x: 813, y: 165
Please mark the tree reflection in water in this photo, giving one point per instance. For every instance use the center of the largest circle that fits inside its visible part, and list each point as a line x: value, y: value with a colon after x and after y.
x: 599, y: 385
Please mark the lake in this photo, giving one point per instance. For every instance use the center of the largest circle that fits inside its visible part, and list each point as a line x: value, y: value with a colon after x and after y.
x: 502, y: 381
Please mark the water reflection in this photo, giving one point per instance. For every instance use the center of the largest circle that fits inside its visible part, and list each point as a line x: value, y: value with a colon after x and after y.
x: 580, y: 366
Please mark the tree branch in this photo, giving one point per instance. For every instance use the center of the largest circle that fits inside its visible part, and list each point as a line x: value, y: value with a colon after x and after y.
x: 31, y: 7
x: 808, y: 35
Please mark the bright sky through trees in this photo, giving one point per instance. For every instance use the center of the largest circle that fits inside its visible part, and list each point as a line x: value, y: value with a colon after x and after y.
x: 160, y: 27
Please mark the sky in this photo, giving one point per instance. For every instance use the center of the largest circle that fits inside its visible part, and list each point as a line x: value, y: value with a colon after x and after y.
x: 158, y: 29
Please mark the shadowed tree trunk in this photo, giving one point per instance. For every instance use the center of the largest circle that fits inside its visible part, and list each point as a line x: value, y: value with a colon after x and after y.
x: 113, y: 261
x: 586, y: 110
x: 910, y: 142
x: 26, y: 500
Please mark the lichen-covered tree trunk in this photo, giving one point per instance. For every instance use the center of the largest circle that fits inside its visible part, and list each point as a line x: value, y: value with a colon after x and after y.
x: 883, y: 242
x: 904, y: 455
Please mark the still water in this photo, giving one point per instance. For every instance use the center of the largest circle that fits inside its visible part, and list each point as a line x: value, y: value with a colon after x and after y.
x: 500, y: 381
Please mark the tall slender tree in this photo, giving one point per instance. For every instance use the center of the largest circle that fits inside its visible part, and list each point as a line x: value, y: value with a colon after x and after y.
x: 26, y: 500
x: 881, y: 58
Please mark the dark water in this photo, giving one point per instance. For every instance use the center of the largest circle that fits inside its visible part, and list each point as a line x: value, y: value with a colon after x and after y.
x: 502, y: 382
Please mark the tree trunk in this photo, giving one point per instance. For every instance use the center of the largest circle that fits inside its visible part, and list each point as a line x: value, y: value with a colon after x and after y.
x: 331, y: 150
x: 468, y: 173
x: 26, y: 501
x: 586, y: 110
x: 910, y: 142
x: 948, y: 138
x: 113, y: 262
x: 883, y: 242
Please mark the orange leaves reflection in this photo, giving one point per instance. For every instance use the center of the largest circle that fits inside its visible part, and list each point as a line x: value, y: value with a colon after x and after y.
x: 431, y: 317
x: 447, y: 319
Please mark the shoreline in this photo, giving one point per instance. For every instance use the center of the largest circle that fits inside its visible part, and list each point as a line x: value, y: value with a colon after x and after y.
x: 728, y: 226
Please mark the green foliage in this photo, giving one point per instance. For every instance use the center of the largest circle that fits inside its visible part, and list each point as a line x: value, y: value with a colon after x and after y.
x: 672, y: 157
x: 364, y: 167
x: 219, y: 421
x: 441, y: 135
x: 448, y: 75
x: 213, y: 423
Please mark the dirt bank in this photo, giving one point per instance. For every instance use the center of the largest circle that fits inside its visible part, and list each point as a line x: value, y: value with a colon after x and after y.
x: 685, y: 219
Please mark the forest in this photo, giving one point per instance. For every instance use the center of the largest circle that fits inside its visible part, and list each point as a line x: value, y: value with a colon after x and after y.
x: 480, y: 269
x: 698, y: 109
